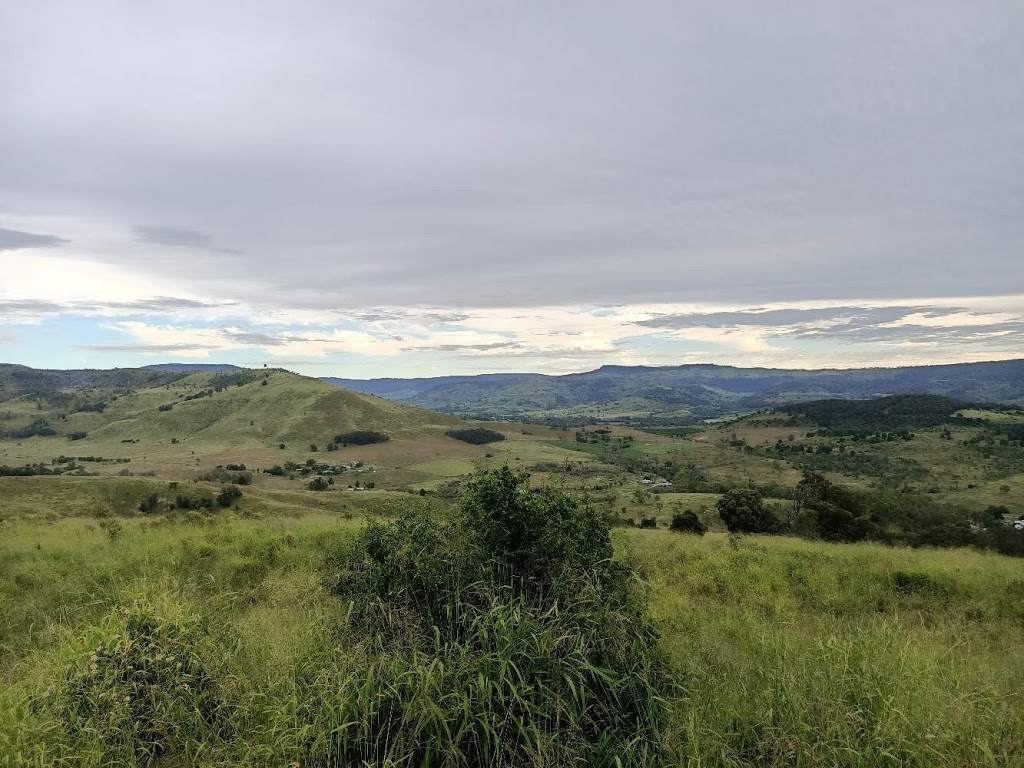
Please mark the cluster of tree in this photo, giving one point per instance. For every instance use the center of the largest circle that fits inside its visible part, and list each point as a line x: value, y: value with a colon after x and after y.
x: 893, y: 470
x: 97, y: 459
x: 222, y: 381
x: 198, y: 503
x: 78, y: 435
x: 38, y: 428
x: 687, y: 521
x: 52, y: 385
x: 596, y: 435
x: 228, y: 496
x: 311, y: 467
x: 226, y: 475
x: 200, y: 394
x: 29, y: 470
x: 895, y: 413
x: 360, y: 437
x: 224, y: 499
x: 97, y: 407
x: 1014, y: 433
x: 476, y: 435
x: 320, y: 483
x: 823, y: 509
x: 165, y: 407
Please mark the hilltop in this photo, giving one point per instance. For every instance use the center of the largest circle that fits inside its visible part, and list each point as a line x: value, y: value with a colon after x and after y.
x: 687, y: 393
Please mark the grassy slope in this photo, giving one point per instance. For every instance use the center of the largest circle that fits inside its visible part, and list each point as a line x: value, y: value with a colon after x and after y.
x: 791, y: 653
x: 244, y: 424
x: 951, y: 466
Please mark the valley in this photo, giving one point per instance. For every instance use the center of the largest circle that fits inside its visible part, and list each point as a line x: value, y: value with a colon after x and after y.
x: 869, y: 621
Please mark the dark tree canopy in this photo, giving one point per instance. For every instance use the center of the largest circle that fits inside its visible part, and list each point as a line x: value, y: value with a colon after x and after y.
x: 361, y: 437
x: 743, y: 511
x: 476, y: 435
x: 688, y: 522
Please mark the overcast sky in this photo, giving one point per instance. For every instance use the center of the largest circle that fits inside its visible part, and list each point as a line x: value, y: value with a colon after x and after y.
x: 417, y: 188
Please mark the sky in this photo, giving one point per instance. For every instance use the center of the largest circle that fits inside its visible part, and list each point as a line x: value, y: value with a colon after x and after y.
x: 432, y: 187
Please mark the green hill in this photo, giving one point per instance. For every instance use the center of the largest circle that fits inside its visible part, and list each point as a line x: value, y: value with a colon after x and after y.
x: 266, y: 407
x: 687, y: 394
x: 56, y: 385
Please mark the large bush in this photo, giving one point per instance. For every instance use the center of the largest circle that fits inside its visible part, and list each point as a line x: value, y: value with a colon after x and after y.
x: 506, y: 636
x: 687, y: 521
x: 361, y: 437
x: 743, y: 511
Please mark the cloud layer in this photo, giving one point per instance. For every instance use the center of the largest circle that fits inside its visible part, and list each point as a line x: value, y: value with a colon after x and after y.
x: 452, y: 186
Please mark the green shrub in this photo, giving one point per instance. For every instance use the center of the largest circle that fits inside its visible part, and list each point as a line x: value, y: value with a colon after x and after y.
x: 228, y: 496
x: 138, y: 690
x: 914, y: 583
x: 688, y: 522
x: 506, y: 636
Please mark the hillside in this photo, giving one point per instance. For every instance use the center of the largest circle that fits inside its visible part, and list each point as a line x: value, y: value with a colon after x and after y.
x: 199, y: 420
x: 688, y: 393
x: 54, y: 385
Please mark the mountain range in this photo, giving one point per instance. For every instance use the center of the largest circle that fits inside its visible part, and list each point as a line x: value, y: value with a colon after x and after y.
x: 686, y: 393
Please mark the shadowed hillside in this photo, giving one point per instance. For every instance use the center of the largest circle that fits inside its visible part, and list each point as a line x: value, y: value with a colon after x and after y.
x: 688, y: 393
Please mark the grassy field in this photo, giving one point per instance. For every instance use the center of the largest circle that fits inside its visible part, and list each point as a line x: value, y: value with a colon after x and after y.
x: 787, y: 652
x: 182, y: 430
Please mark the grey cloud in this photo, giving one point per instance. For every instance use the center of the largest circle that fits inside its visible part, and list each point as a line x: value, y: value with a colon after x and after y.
x: 394, y: 314
x: 467, y: 347
x: 842, y: 315
x: 855, y: 325
x: 255, y: 338
x: 143, y: 347
x: 997, y: 333
x: 12, y: 240
x: 155, y: 305
x: 179, y: 237
x: 461, y: 155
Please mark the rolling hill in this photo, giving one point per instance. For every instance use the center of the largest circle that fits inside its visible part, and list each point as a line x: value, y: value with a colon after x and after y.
x: 687, y: 393
x: 237, y: 408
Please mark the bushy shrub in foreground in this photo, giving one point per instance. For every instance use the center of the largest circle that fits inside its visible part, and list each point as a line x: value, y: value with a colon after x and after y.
x: 137, y: 689
x: 507, y: 636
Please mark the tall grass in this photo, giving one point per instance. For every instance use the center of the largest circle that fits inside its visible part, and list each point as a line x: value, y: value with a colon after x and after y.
x: 806, y: 654
x: 788, y: 653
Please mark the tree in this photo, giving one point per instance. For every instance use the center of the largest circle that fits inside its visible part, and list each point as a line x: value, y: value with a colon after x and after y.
x: 228, y: 496
x: 688, y: 522
x: 743, y: 511
x: 534, y: 533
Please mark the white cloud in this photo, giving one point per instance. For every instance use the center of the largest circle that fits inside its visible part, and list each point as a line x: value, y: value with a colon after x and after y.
x: 565, y: 339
